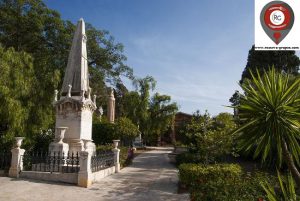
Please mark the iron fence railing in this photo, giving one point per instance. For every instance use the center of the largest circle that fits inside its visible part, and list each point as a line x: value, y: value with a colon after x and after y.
x: 102, y: 160
x: 5, y: 160
x: 51, y: 162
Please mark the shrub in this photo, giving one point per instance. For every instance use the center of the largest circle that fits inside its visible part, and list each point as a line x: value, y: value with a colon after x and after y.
x: 287, y: 190
x: 105, y: 132
x: 211, y: 137
x: 126, y: 130
x: 191, y: 174
x: 188, y: 158
x: 222, y: 182
x: 248, y: 186
x: 124, y: 160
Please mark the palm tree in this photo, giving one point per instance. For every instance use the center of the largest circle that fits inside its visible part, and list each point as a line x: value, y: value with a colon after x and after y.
x: 270, y: 114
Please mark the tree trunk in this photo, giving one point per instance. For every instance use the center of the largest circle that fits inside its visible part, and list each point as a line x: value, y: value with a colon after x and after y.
x: 290, y: 162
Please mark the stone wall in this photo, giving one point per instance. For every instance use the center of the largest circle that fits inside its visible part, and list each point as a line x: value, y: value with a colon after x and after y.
x: 97, y: 176
x: 70, y: 178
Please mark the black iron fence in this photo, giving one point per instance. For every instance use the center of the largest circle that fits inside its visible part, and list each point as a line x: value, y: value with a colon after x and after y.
x: 51, y: 162
x: 5, y: 160
x: 102, y: 160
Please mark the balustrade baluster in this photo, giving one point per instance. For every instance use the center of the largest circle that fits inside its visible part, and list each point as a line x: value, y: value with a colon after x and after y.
x: 58, y: 162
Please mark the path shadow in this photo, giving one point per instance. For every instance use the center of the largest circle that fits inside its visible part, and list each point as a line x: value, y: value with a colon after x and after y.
x: 149, y: 177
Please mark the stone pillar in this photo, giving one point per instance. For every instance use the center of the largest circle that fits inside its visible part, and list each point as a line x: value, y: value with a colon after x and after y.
x: 89, y: 146
x: 173, y: 133
x: 85, y: 173
x: 16, y: 159
x: 111, y: 107
x: 117, y: 156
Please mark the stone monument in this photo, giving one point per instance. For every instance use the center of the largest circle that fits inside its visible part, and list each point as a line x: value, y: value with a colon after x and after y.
x: 74, y: 109
x: 111, y: 107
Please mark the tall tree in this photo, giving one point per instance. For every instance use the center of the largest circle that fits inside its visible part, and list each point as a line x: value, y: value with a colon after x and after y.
x: 131, y: 102
x: 29, y: 26
x: 286, y: 61
x: 161, y: 115
x: 235, y: 101
x: 120, y: 93
x: 16, y: 79
x: 143, y: 86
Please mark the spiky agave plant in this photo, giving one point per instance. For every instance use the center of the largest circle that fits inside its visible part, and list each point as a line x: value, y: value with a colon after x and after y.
x: 270, y: 114
x: 287, y: 188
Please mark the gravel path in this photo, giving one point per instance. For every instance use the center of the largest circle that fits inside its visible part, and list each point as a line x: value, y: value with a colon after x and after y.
x: 150, y: 177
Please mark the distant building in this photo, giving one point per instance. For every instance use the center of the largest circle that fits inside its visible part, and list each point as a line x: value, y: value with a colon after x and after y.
x: 180, y: 120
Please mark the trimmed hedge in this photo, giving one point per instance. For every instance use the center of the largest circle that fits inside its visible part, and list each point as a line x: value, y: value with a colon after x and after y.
x: 188, y: 157
x: 191, y: 174
x: 221, y: 182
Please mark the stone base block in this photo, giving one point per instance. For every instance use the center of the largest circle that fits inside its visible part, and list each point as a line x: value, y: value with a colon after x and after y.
x: 58, y: 147
x: 118, y: 167
x: 75, y: 145
x: 71, y: 178
x: 14, y: 172
x: 85, y: 179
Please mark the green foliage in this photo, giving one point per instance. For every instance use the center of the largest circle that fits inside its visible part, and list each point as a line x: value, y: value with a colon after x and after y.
x: 106, y: 56
x: 286, y: 61
x: 124, y: 160
x: 188, y: 157
x: 197, y: 129
x: 143, y: 86
x: 235, y: 98
x: 287, y: 189
x: 105, y: 132
x: 202, y: 174
x: 212, y: 182
x: 181, y: 138
x: 161, y: 115
x: 248, y: 188
x: 16, y: 79
x: 269, y: 113
x: 125, y: 129
x: 222, y: 182
x: 211, y: 138
x: 153, y: 115
x: 31, y: 27
x: 39, y: 142
x: 131, y: 110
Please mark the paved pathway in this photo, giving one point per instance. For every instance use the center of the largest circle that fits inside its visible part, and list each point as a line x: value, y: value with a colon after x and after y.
x: 150, y: 178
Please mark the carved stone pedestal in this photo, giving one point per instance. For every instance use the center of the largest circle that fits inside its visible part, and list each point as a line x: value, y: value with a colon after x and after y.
x: 58, y: 146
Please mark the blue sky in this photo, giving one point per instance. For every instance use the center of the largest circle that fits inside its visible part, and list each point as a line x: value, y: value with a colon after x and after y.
x: 195, y: 49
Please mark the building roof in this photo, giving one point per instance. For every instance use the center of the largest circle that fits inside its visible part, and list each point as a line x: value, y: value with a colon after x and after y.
x: 185, y: 114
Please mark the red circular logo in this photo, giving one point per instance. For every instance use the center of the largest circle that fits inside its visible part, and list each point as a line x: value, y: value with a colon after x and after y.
x: 277, y: 17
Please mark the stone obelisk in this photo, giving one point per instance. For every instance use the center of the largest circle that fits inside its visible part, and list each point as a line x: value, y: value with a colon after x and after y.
x: 111, y: 107
x: 74, y: 109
